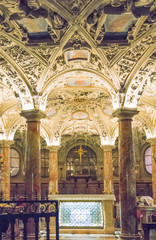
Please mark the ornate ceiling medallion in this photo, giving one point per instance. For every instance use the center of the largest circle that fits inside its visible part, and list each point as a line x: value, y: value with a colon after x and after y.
x: 80, y: 115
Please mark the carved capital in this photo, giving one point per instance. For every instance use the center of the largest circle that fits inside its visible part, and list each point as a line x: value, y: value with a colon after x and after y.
x: 6, y: 143
x: 53, y: 148
x: 33, y: 115
x: 125, y: 113
x: 152, y: 141
x: 107, y: 148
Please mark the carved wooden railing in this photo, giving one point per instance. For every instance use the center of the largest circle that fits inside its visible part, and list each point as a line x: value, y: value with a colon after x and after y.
x: 14, y: 214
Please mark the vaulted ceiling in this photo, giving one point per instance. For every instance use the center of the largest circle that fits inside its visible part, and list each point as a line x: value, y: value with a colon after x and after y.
x: 78, y: 61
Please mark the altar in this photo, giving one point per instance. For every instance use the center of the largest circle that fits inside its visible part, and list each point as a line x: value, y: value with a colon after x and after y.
x: 85, y: 213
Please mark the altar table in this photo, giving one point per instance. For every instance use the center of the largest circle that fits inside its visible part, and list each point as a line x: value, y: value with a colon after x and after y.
x: 85, y: 213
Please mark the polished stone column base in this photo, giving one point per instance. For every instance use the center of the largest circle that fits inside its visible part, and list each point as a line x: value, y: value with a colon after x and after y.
x: 129, y: 237
x: 32, y: 237
x: 109, y: 230
x: 108, y: 216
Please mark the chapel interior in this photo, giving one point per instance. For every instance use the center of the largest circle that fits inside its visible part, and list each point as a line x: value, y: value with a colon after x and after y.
x: 78, y: 103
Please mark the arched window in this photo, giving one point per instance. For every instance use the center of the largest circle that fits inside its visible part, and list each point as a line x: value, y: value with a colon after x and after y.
x: 148, y: 161
x: 14, y: 162
x: 45, y: 163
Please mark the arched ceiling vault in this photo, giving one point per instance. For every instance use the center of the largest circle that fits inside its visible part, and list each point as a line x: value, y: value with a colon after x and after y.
x: 78, y: 61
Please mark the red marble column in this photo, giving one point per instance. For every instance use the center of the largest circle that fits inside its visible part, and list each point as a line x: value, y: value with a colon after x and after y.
x: 108, y: 169
x: 127, y: 175
x: 153, y: 158
x: 5, y: 170
x: 33, y: 153
x: 53, y: 169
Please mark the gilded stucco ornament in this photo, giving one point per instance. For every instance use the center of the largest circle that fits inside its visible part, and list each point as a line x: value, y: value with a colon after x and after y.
x: 116, y: 74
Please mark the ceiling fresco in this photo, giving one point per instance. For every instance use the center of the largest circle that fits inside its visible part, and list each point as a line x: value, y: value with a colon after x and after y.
x: 78, y: 61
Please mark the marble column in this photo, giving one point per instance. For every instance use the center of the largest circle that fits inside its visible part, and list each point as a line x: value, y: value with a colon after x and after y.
x: 127, y: 182
x: 153, y: 158
x: 5, y: 169
x: 33, y: 155
x: 53, y: 169
x: 108, y: 169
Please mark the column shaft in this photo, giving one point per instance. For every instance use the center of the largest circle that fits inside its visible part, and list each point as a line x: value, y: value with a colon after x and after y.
x: 153, y: 158
x: 53, y: 170
x: 127, y: 184
x: 5, y: 171
x: 108, y: 170
x: 33, y: 153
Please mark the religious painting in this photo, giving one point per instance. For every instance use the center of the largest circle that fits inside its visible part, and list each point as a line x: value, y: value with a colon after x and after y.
x: 34, y: 25
x: 119, y: 23
x: 50, y: 112
x: 79, y: 82
x: 77, y: 54
x: 80, y: 115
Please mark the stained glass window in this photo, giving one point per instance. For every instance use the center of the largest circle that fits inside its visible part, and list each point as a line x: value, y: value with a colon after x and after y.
x: 148, y: 162
x: 81, y: 214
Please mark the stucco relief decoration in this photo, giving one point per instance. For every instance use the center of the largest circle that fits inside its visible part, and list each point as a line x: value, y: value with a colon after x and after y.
x: 139, y: 83
x: 74, y: 6
x: 17, y: 85
x: 31, y: 67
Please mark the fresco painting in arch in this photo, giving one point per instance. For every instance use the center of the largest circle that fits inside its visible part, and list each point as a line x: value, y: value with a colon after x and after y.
x: 80, y: 115
x: 79, y: 82
x: 77, y: 55
x: 119, y: 23
x: 39, y: 25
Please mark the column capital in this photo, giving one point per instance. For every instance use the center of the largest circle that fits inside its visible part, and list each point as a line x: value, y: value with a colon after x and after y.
x: 152, y: 141
x: 107, y: 147
x: 53, y: 148
x: 125, y: 113
x: 6, y: 143
x: 33, y: 115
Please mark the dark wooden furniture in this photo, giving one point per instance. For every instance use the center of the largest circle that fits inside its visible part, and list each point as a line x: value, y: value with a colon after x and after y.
x: 147, y: 227
x: 148, y: 220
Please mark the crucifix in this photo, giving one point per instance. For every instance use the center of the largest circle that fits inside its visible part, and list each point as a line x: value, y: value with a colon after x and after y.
x: 80, y: 151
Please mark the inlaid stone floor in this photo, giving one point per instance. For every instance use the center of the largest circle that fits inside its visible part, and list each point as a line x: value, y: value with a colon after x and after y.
x: 87, y: 237
x: 82, y: 237
x: 93, y: 236
x: 97, y: 236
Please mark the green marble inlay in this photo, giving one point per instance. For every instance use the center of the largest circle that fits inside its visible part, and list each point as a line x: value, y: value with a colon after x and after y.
x: 80, y: 214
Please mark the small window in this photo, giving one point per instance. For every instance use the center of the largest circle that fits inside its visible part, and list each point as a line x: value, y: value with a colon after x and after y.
x: 45, y: 163
x: 148, y: 161
x: 14, y: 162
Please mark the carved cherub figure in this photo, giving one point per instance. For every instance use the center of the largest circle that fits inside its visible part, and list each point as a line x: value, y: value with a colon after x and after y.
x: 33, y: 4
x: 57, y: 21
x: 18, y: 9
x: 92, y: 21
